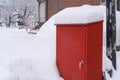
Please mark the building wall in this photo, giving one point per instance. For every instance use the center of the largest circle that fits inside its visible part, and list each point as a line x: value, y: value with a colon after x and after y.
x: 53, y: 7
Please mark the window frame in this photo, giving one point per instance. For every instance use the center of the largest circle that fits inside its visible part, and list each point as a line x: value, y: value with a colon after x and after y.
x: 103, y: 2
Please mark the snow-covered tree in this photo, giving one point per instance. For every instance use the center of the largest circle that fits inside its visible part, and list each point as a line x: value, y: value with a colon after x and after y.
x: 24, y: 9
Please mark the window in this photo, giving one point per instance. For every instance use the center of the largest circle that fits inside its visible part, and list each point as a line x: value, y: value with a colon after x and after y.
x: 103, y: 2
x: 59, y: 5
x: 43, y: 11
x: 52, y: 6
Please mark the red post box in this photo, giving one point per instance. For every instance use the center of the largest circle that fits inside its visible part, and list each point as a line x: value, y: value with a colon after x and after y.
x: 79, y: 42
x: 79, y: 51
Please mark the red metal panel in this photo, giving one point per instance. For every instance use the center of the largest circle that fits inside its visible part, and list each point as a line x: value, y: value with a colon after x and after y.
x: 76, y: 43
x: 94, y: 51
x: 70, y: 51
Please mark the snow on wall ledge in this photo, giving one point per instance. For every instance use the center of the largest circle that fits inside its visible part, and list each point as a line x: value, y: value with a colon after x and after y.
x: 80, y: 15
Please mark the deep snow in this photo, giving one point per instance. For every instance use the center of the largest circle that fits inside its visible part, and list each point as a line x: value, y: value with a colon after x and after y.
x: 80, y: 15
x: 26, y: 56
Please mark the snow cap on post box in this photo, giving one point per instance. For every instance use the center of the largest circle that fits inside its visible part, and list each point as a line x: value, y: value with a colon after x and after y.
x: 80, y: 15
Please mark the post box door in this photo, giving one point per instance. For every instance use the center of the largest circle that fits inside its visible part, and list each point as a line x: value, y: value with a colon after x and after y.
x: 71, y: 52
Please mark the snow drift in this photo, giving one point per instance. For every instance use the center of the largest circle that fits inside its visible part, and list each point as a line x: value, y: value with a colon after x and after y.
x: 80, y: 15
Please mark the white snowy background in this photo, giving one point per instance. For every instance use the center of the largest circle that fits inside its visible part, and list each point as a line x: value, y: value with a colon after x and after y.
x: 11, y: 9
x: 26, y: 56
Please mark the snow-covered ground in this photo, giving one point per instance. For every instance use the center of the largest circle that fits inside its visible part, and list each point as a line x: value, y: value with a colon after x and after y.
x: 116, y: 75
x: 26, y: 56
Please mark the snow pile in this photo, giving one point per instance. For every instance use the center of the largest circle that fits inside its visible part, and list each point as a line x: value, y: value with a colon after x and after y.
x: 107, y: 65
x: 44, y: 47
x: 20, y: 69
x: 28, y: 59
x: 80, y: 15
x: 13, y: 43
x: 14, y: 64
